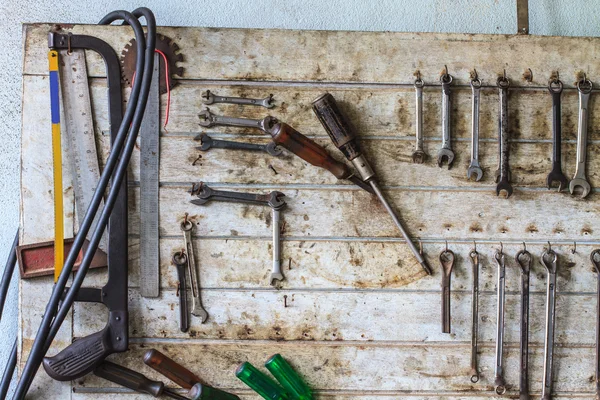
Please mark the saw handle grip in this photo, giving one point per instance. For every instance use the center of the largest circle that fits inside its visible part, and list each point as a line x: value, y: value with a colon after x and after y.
x: 129, y: 378
x: 305, y: 148
x: 169, y: 368
x: 338, y: 126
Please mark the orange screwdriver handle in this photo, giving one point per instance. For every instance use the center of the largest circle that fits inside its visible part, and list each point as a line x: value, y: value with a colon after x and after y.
x: 169, y: 368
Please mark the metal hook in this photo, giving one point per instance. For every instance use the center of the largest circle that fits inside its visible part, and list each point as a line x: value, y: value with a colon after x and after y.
x: 475, y: 246
x: 501, y: 248
x: 185, y: 220
x: 504, y: 73
x: 446, y: 67
x: 418, y: 75
x: 524, y: 247
x: 285, y: 301
x: 574, y: 249
x: 476, y: 76
x: 530, y: 76
x: 420, y: 247
x: 549, y: 246
x: 446, y: 246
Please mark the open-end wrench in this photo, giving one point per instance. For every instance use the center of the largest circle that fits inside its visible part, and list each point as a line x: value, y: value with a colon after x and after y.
x: 273, y: 200
x: 447, y: 264
x: 474, y: 167
x: 446, y: 151
x: 187, y: 227
x: 209, y: 143
x: 584, y: 88
x: 210, y: 98
x: 180, y: 260
x: 556, y: 175
x: 524, y: 259
x: 419, y: 155
x: 549, y: 260
x: 499, y: 369
x: 503, y: 178
x: 474, y: 255
x: 208, y: 119
x: 595, y: 258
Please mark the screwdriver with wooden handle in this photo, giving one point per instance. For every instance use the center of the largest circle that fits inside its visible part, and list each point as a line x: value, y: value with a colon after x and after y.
x: 184, y: 377
x: 343, y: 134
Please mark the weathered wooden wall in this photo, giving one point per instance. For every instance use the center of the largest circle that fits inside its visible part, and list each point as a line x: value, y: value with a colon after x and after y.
x: 362, y: 322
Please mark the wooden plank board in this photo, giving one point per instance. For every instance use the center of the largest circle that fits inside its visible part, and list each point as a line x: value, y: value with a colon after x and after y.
x: 361, y: 321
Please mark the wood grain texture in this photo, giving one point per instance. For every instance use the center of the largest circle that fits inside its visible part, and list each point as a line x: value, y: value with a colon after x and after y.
x: 362, y: 322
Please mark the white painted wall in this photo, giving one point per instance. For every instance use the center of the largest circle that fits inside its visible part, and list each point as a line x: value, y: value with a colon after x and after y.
x: 547, y: 17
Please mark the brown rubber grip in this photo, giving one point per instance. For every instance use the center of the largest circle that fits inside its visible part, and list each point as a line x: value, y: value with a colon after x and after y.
x: 292, y: 140
x: 169, y: 368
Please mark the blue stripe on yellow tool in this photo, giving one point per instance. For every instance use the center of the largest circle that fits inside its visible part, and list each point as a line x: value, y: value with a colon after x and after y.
x: 59, y: 234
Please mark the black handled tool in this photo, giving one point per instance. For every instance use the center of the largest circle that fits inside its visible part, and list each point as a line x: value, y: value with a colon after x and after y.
x: 343, y: 134
x: 134, y: 380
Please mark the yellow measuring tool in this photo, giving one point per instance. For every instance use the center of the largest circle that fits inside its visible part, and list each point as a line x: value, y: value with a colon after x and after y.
x: 59, y: 233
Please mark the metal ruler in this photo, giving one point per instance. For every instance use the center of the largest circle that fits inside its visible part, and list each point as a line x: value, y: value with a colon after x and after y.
x: 79, y: 133
x: 149, y: 169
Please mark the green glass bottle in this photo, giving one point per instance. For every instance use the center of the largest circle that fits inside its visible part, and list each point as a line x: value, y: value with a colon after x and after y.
x: 260, y: 383
x: 288, y: 378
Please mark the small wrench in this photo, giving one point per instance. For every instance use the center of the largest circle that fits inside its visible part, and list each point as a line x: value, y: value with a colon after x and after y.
x: 210, y: 98
x: 187, y: 227
x: 446, y: 150
x: 447, y: 264
x: 524, y: 259
x: 419, y: 154
x: 180, y: 261
x: 503, y: 177
x: 549, y: 260
x: 474, y: 315
x: 556, y: 175
x: 595, y: 257
x: 208, y: 119
x: 499, y: 370
x: 584, y: 87
x: 474, y: 167
x: 209, y: 143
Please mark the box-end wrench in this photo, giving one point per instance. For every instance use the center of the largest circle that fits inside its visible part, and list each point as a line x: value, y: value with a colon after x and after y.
x: 474, y: 255
x: 446, y: 151
x: 549, y: 261
x: 187, y: 227
x: 447, y: 264
x: 273, y: 200
x: 499, y: 369
x: 503, y: 177
x: 419, y: 154
x: 207, y: 142
x: 584, y: 87
x: 595, y: 258
x: 524, y: 259
x: 180, y: 260
x: 210, y: 98
x: 556, y: 175
x: 291, y: 140
x: 474, y: 167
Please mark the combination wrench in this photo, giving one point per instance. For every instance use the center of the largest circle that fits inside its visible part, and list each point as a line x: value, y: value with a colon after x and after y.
x: 272, y: 199
x: 419, y: 154
x: 187, y: 227
x: 474, y: 255
x: 503, y: 173
x: 524, y: 259
x: 595, y: 258
x: 210, y: 98
x: 549, y: 261
x: 207, y: 142
x: 584, y: 87
x: 499, y: 369
x: 446, y: 151
x: 556, y: 175
x: 180, y: 260
x: 474, y: 167
x: 447, y: 264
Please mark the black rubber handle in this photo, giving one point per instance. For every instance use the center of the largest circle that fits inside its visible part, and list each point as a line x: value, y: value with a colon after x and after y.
x: 338, y: 126
x: 129, y: 378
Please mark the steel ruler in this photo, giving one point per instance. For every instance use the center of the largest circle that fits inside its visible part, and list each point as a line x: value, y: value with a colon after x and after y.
x: 79, y: 133
x: 149, y: 170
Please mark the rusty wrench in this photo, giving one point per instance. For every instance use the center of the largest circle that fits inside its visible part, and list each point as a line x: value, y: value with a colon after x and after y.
x: 556, y: 175
x: 595, y: 257
x: 447, y: 264
x: 503, y: 176
x: 474, y: 255
x: 187, y: 227
x: 211, y: 98
x: 474, y: 167
x: 499, y: 369
x: 446, y: 151
x: 584, y: 87
x: 419, y: 155
x: 180, y: 260
x: 524, y: 259
x: 549, y: 260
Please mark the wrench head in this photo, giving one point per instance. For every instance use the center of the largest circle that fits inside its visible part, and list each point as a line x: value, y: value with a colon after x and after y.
x: 205, y: 142
x: 586, y: 188
x: 276, y: 200
x: 206, y: 118
x: 273, y: 149
x: 276, y: 277
x: 476, y: 171
x: 445, y: 154
x: 201, y: 313
x: 504, y: 185
x: 557, y: 176
x: 419, y: 157
x: 268, y: 102
x: 208, y: 97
